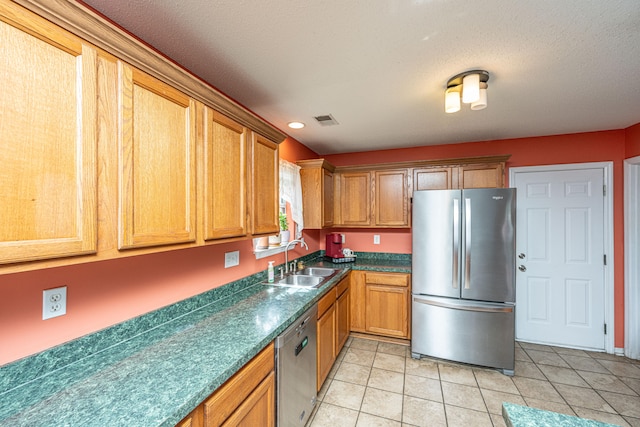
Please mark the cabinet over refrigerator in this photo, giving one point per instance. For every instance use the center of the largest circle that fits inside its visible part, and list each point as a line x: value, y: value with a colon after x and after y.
x: 463, y: 276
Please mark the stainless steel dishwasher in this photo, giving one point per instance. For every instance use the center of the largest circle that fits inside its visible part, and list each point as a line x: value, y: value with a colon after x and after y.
x: 296, y: 370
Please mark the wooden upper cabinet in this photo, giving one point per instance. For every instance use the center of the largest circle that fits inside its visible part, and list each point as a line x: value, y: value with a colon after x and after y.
x: 327, y: 198
x: 157, y: 162
x: 391, y: 191
x: 265, y: 186
x: 488, y: 175
x: 317, y: 193
x: 435, y: 178
x: 353, y: 192
x: 225, y: 177
x: 47, y: 140
x: 473, y: 175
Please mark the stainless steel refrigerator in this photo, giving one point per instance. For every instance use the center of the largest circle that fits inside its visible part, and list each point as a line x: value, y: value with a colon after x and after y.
x: 463, y: 276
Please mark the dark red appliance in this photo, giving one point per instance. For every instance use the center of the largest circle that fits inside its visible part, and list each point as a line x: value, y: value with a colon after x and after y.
x: 334, y: 245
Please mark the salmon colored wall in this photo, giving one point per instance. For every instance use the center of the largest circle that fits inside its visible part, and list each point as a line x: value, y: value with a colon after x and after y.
x: 361, y: 240
x: 548, y: 150
x: 104, y: 293
x: 101, y: 294
x: 632, y: 137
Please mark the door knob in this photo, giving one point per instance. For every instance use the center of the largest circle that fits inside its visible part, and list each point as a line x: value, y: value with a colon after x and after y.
x: 521, y: 255
x: 522, y: 268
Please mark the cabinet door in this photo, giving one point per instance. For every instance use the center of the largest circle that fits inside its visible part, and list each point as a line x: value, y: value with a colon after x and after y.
x: 387, y: 310
x: 47, y: 140
x: 489, y: 175
x: 357, y: 297
x: 354, y: 204
x: 265, y: 186
x: 434, y: 178
x: 194, y: 419
x: 327, y: 198
x: 258, y: 409
x: 391, y: 198
x: 157, y: 162
x: 223, y: 405
x: 326, y: 344
x: 225, y: 172
x: 342, y: 320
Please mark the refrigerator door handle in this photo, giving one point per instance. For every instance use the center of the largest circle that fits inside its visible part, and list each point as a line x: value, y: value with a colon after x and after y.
x: 456, y: 242
x: 507, y: 309
x: 467, y: 243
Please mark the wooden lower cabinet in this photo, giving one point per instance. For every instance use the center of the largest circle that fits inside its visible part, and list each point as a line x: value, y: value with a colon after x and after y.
x: 343, y: 310
x: 332, y: 328
x: 380, y: 303
x: 326, y: 342
x: 246, y: 399
x: 258, y: 407
x: 194, y: 419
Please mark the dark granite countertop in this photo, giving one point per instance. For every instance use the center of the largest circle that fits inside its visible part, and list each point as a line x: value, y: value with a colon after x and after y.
x: 154, y: 369
x: 524, y: 416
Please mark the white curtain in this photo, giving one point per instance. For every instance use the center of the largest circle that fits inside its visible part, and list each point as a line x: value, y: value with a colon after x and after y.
x: 291, y: 191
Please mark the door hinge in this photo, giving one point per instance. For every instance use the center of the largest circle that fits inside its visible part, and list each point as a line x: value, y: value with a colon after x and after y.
x: 605, y: 329
x: 604, y: 190
x: 604, y: 257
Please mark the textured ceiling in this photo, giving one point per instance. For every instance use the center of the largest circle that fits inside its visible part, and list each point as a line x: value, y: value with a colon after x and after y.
x: 380, y: 66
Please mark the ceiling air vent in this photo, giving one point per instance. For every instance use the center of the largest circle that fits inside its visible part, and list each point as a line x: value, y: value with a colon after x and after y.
x: 326, y: 120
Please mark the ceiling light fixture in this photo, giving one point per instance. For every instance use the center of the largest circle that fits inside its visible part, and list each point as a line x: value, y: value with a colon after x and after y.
x: 295, y: 125
x: 471, y: 86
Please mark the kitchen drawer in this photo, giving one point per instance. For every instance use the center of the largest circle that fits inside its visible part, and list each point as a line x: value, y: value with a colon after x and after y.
x: 389, y: 279
x: 342, y: 286
x: 327, y: 301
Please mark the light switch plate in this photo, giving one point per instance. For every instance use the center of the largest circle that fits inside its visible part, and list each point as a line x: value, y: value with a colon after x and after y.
x: 231, y: 259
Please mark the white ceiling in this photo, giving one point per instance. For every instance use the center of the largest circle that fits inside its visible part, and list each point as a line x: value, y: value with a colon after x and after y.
x: 380, y: 66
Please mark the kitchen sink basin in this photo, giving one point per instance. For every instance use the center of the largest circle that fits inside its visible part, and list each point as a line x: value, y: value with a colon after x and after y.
x: 309, y: 277
x: 317, y: 271
x: 301, y: 280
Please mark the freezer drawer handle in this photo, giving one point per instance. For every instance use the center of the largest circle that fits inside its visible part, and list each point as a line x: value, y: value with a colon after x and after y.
x: 464, y: 307
x: 456, y: 241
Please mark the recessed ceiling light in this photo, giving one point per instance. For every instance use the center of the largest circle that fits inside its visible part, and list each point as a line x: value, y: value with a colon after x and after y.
x: 296, y: 125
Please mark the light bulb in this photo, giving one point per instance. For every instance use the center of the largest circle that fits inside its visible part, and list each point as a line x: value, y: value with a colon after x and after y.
x: 470, y: 88
x: 452, y: 100
x: 481, y: 103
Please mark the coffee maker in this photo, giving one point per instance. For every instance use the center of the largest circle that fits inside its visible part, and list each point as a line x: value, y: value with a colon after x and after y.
x: 334, y: 245
x: 334, y: 251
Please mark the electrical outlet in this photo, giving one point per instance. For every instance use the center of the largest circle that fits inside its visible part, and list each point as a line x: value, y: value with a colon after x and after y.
x: 54, y: 302
x: 231, y: 259
x: 343, y: 238
x: 376, y: 239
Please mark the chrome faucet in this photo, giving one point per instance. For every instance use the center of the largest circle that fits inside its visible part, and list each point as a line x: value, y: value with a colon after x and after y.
x: 286, y: 253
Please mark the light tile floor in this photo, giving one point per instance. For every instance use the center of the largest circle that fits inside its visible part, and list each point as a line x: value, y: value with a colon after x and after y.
x: 378, y: 384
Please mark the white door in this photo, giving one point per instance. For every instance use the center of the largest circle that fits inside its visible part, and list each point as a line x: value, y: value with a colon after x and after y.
x: 560, y: 257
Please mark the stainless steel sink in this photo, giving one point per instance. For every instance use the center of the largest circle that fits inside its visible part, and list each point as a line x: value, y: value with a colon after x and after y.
x: 301, y: 280
x: 310, y: 277
x: 317, y: 271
